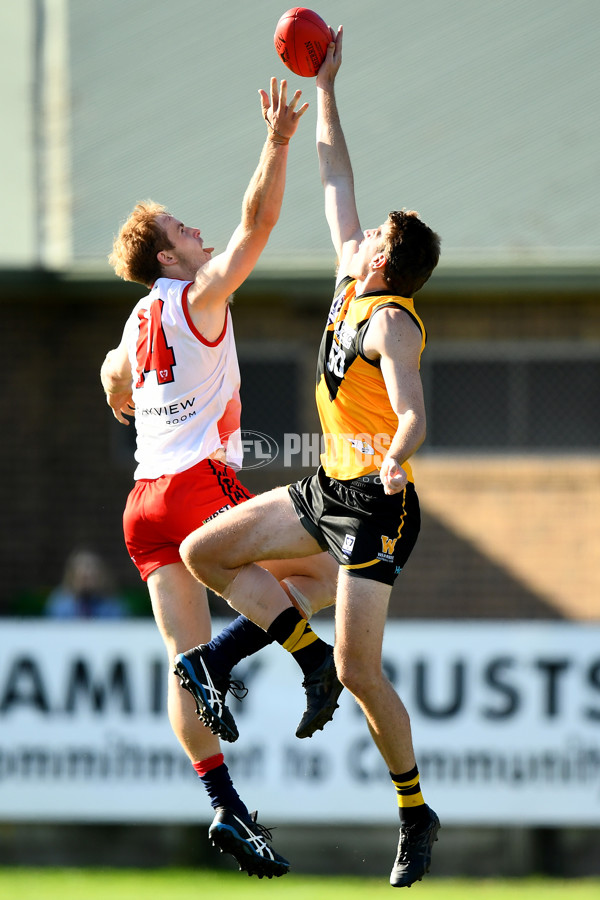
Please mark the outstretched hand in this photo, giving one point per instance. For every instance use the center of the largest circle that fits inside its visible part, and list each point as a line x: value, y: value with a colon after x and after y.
x: 332, y: 62
x: 281, y: 117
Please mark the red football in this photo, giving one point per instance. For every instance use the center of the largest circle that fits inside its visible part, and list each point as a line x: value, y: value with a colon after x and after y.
x: 301, y: 40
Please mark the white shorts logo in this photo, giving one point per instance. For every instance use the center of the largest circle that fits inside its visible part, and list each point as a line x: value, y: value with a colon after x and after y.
x: 348, y: 545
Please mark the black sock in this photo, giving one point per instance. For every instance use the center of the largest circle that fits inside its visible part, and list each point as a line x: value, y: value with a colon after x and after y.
x: 296, y: 636
x: 239, y: 639
x: 215, y: 777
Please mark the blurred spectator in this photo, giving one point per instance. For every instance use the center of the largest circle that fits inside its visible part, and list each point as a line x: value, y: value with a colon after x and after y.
x: 86, y: 590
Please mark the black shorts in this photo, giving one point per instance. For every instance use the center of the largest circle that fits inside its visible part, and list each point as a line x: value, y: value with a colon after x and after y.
x: 369, y: 533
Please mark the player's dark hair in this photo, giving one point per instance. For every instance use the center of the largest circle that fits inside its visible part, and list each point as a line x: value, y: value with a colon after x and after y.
x: 135, y: 248
x: 412, y: 251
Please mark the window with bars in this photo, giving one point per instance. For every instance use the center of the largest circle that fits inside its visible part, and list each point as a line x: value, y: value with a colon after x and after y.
x: 523, y: 396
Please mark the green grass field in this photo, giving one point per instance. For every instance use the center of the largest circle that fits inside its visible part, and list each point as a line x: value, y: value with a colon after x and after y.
x: 134, y: 884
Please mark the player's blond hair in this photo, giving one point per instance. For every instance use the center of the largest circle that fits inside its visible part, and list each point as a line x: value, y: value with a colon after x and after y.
x: 135, y: 248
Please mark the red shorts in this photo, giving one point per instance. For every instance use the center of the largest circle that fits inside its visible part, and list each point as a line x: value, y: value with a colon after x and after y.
x: 161, y: 512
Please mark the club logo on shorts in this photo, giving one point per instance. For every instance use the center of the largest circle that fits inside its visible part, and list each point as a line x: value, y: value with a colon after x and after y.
x: 388, y: 545
x: 348, y: 545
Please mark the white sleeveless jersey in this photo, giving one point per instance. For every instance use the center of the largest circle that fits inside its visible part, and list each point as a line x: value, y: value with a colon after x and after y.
x: 186, y: 389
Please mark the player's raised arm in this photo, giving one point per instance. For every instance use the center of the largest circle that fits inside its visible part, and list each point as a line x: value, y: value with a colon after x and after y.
x: 334, y: 160
x: 223, y: 274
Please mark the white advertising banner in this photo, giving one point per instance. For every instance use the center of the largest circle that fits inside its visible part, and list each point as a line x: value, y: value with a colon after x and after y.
x: 505, y: 718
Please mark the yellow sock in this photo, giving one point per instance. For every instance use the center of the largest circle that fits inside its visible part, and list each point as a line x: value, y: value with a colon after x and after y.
x: 301, y: 637
x: 297, y: 637
x: 408, y: 789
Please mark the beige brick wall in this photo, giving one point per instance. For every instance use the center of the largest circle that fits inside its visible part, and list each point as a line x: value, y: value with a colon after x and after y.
x: 538, y: 519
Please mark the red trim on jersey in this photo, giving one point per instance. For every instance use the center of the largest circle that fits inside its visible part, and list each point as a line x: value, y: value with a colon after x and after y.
x: 229, y: 422
x: 193, y: 329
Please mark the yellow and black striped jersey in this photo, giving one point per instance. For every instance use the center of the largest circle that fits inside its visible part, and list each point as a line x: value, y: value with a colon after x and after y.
x: 357, y: 419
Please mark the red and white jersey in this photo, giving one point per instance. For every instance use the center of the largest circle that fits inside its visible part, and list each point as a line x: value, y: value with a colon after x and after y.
x: 186, y: 389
